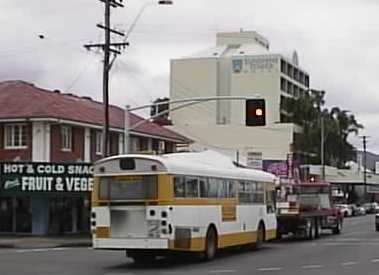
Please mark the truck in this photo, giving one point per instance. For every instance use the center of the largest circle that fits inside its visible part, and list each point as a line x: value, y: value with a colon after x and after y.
x: 306, y: 209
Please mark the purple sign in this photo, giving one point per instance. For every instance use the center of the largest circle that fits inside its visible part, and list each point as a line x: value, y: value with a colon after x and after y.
x: 276, y: 167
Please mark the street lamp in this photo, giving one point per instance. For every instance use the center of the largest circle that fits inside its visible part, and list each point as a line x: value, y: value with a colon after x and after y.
x: 143, y: 8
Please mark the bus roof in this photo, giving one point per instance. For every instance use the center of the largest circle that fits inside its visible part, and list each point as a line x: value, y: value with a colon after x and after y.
x: 207, y: 163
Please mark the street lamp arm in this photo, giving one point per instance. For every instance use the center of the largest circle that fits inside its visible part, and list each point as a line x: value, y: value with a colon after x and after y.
x: 162, y: 113
x: 191, y: 99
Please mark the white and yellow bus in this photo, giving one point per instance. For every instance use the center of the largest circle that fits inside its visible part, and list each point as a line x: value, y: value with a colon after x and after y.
x: 195, y: 202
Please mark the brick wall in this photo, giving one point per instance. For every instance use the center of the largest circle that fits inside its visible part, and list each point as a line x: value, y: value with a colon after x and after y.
x: 77, y: 148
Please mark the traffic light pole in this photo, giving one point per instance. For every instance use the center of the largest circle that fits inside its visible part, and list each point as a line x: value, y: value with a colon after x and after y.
x: 189, y: 102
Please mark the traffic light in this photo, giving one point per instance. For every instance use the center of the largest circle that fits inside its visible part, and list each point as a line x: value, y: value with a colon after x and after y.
x: 255, y: 112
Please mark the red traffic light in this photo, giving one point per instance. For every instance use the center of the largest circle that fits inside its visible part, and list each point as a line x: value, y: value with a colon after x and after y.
x: 255, y: 112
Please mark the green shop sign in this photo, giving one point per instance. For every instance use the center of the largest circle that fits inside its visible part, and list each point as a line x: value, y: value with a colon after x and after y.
x: 20, y: 177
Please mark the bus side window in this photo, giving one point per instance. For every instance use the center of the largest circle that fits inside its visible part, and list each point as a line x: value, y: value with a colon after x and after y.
x: 222, y: 188
x: 192, y: 187
x: 232, y: 185
x: 212, y: 188
x: 179, y: 187
x: 258, y: 192
x: 203, y: 184
x: 243, y: 192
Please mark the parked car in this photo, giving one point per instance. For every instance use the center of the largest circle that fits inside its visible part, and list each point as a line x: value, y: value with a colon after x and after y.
x: 345, y: 210
x: 371, y: 207
x: 354, y: 209
x: 361, y: 210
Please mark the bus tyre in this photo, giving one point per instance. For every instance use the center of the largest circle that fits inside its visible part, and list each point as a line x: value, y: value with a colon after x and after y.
x: 337, y: 229
x: 318, y: 228
x: 310, y: 230
x: 210, y: 245
x: 141, y: 258
x: 260, y: 237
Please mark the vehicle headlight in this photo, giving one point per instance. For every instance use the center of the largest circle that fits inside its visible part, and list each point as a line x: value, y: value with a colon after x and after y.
x: 153, y: 229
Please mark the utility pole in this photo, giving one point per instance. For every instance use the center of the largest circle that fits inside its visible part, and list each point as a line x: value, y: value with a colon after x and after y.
x: 322, y: 148
x: 108, y: 47
x: 364, y: 139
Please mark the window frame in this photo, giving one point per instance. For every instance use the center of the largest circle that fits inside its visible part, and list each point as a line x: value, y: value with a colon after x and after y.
x: 22, y: 133
x: 98, y: 143
x: 66, y: 138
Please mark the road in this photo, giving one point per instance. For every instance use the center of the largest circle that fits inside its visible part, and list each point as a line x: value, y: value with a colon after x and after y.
x: 355, y: 251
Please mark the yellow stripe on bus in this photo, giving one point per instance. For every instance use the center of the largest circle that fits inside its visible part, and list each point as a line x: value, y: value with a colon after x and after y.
x: 226, y: 240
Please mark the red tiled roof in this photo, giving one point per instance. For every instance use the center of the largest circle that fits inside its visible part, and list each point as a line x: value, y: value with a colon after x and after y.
x: 19, y: 99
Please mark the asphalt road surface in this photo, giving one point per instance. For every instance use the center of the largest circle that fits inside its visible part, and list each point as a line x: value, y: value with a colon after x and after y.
x: 355, y: 251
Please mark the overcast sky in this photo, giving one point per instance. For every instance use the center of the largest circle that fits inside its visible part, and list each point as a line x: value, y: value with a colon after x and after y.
x: 337, y: 42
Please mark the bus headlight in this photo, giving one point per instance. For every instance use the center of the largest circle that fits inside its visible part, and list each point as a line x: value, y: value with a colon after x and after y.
x: 153, y: 229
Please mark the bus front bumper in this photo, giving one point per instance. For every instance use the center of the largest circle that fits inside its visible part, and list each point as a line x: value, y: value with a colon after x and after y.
x: 141, y: 243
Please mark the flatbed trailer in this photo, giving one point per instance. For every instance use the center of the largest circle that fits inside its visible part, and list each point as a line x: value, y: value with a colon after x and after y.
x: 307, y: 213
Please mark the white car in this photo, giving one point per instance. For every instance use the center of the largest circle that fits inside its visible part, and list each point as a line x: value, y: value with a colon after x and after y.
x: 345, y: 209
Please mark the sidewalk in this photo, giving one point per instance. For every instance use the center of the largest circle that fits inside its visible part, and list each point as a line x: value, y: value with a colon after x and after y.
x: 25, y: 242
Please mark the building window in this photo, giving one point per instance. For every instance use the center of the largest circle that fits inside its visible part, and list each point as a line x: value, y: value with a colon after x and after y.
x: 307, y: 80
x: 296, y: 74
x: 66, y: 138
x: 133, y: 145
x: 290, y: 88
x: 302, y: 77
x: 283, y: 84
x: 295, y: 91
x: 283, y: 66
x: 99, y: 142
x: 15, y: 136
x: 290, y: 70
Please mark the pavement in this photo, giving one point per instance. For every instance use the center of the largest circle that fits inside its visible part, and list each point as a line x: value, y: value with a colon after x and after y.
x: 26, y: 242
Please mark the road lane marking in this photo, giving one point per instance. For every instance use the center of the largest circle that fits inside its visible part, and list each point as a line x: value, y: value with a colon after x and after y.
x: 312, y: 266
x: 269, y: 268
x: 347, y: 243
x: 222, y: 271
x: 171, y: 272
x: 41, y: 249
x: 348, y: 263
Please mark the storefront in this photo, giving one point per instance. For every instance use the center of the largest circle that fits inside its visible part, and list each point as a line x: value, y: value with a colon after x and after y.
x: 45, y: 198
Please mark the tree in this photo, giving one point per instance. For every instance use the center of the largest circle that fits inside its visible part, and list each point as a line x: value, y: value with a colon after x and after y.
x: 307, y: 111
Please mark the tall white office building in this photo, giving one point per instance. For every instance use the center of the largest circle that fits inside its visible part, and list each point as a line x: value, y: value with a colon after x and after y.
x: 240, y: 64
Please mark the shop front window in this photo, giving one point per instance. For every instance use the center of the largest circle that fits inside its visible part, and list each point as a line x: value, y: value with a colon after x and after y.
x: 6, y: 215
x: 23, y: 215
